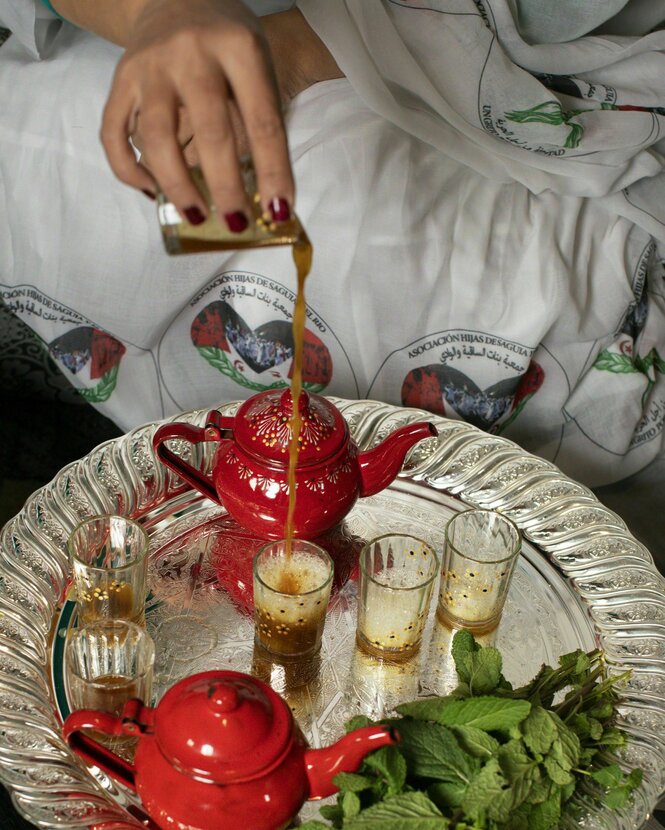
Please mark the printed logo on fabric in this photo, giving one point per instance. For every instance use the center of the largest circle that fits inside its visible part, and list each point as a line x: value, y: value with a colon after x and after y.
x: 476, y: 376
x: 78, y: 346
x: 239, y: 326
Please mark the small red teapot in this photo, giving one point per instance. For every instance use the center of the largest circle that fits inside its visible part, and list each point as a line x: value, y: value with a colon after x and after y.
x: 221, y: 750
x: 250, y: 467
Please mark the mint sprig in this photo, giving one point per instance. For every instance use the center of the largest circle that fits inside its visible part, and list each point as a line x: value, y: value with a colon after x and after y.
x: 490, y: 757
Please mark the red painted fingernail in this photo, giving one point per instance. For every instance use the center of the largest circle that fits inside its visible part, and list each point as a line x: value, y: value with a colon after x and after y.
x: 280, y: 210
x: 194, y: 215
x: 148, y: 194
x: 237, y: 221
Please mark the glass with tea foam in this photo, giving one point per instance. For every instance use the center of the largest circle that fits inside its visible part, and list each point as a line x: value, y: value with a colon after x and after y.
x: 291, y: 594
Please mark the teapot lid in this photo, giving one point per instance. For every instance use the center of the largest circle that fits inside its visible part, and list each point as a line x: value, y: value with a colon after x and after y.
x: 222, y: 726
x: 262, y: 427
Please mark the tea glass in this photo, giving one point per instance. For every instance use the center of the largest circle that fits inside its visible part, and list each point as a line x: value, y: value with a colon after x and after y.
x: 109, y: 556
x: 108, y: 663
x: 397, y: 573
x: 481, y: 550
x: 291, y: 594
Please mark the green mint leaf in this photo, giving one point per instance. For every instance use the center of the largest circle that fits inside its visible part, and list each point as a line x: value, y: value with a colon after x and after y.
x: 545, y: 815
x: 612, y: 737
x: 539, y: 730
x: 407, y: 811
x: 582, y: 663
x: 484, y: 788
x: 333, y: 813
x: 617, y: 797
x: 431, y: 751
x: 485, y: 671
x: 556, y: 772
x: 357, y: 722
x: 542, y: 788
x: 488, y: 713
x: 313, y: 824
x: 391, y: 766
x: 602, y: 711
x: 567, y: 791
x: 350, y: 804
x: 478, y: 668
x: 462, y: 648
x: 566, y: 747
x: 515, y: 763
x: 519, y: 818
x: 447, y: 795
x: 475, y: 742
x: 352, y: 782
x: 429, y: 708
x: 608, y: 776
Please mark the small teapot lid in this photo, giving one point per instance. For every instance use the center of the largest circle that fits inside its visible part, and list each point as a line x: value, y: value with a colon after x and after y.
x: 222, y: 726
x: 262, y: 427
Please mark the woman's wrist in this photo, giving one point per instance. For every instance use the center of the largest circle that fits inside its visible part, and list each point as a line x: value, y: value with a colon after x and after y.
x: 300, y: 57
x: 113, y: 21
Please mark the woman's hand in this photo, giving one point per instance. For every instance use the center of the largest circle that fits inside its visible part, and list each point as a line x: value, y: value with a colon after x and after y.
x: 193, y: 67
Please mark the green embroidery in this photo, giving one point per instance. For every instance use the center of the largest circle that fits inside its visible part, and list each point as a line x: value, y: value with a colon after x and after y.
x: 624, y: 364
x: 103, y: 390
x: 551, y: 112
x: 218, y: 359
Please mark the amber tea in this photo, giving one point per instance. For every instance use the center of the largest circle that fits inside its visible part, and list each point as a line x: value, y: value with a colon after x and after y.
x: 291, y: 593
x: 108, y: 663
x: 109, y: 557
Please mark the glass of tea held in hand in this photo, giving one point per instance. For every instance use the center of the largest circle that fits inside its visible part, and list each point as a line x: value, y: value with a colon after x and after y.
x: 291, y: 594
x: 481, y: 550
x: 108, y: 663
x: 397, y: 574
x: 109, y: 556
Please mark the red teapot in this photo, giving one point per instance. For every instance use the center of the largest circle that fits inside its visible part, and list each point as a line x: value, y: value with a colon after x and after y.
x: 221, y: 749
x: 250, y: 467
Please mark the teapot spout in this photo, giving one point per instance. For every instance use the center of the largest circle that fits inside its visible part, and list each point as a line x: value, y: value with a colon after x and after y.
x: 380, y: 466
x: 322, y: 765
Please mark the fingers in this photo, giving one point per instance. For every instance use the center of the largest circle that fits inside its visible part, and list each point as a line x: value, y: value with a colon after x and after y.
x: 255, y: 92
x: 118, y: 114
x: 210, y: 75
x: 206, y: 99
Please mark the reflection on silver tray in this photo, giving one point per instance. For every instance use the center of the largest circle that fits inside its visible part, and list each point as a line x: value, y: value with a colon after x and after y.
x: 583, y: 580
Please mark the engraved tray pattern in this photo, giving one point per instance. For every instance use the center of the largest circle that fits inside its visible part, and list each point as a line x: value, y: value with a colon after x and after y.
x: 583, y: 581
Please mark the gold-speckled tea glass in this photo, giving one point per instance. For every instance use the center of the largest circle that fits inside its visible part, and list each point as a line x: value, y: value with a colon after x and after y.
x: 397, y: 573
x: 291, y: 594
x: 481, y: 550
x: 107, y: 664
x: 109, y: 556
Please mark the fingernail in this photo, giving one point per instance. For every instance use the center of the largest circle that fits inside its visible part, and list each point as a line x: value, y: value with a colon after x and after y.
x: 194, y: 215
x: 279, y: 210
x: 148, y: 194
x: 237, y: 221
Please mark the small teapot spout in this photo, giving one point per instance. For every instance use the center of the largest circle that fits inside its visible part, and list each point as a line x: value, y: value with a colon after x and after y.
x: 322, y: 765
x: 380, y: 466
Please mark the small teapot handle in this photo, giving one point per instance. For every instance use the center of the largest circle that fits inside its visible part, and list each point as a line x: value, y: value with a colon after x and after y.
x: 92, y: 751
x: 215, y: 425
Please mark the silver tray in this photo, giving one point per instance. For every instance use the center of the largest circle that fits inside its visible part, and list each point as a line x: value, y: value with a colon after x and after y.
x: 583, y: 581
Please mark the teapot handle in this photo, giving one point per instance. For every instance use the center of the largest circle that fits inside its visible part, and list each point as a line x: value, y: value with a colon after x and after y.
x: 91, y: 750
x: 215, y: 425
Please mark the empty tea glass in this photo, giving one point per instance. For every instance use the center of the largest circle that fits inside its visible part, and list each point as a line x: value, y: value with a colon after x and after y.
x: 291, y: 594
x: 481, y: 549
x: 397, y: 574
x: 109, y: 556
x: 108, y: 663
